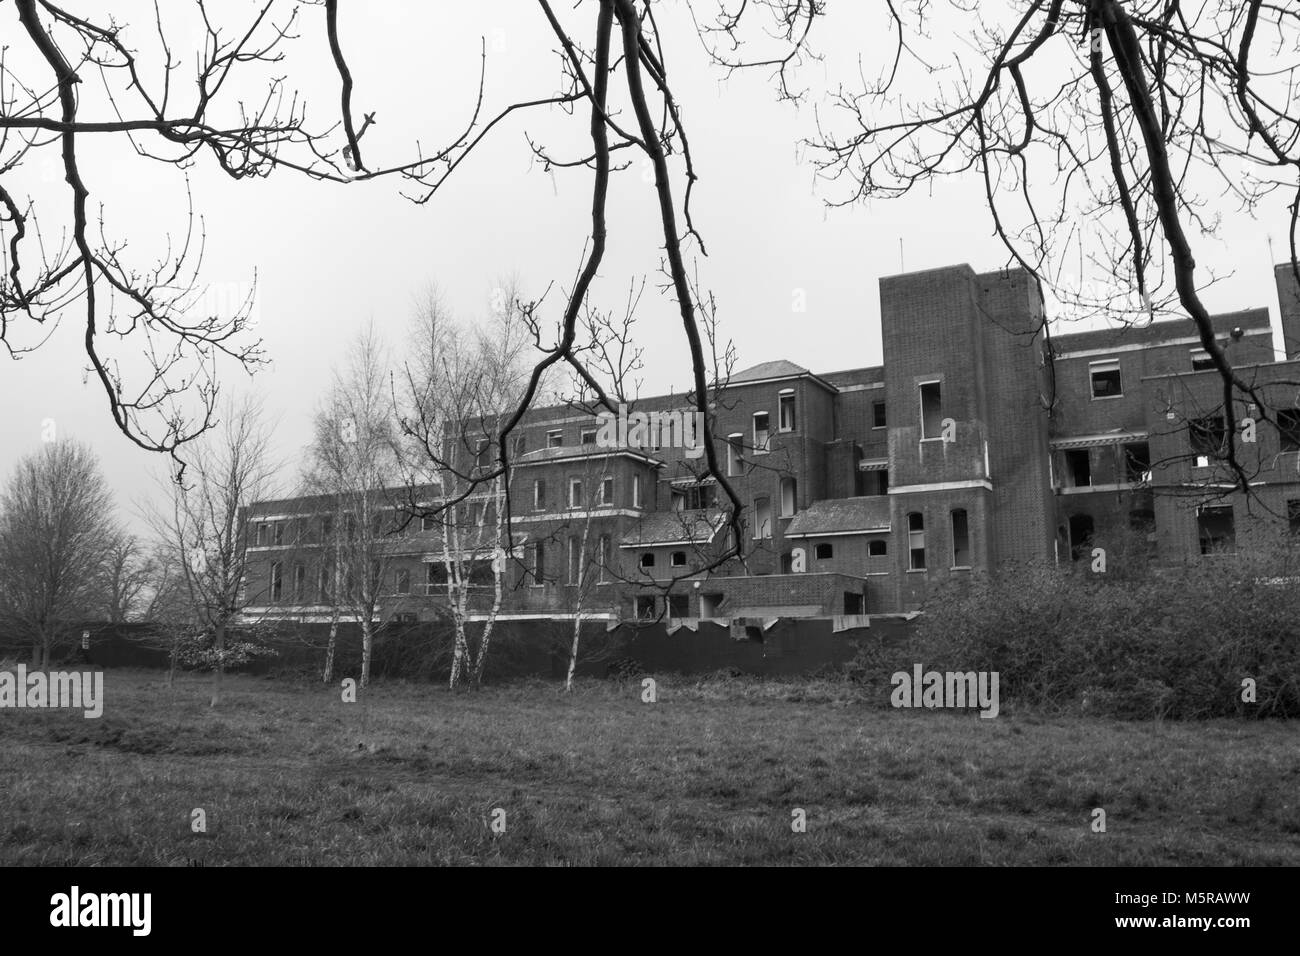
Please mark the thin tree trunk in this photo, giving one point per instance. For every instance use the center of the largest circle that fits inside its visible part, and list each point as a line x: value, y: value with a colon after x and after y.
x: 219, y: 645
x: 458, y: 653
x: 367, y: 642
x: 573, y: 651
x: 328, y: 675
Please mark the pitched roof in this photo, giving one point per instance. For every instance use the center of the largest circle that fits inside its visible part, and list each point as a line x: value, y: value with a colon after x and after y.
x: 777, y: 369
x: 675, y: 527
x: 840, y: 516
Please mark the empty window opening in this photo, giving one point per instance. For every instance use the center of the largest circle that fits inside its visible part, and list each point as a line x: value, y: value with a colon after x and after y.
x: 1207, y: 436
x: 575, y: 492
x: 645, y: 607
x: 1201, y: 361
x: 762, y: 434
x: 1137, y: 463
x: 537, y: 568
x: 854, y: 603
x: 539, y: 494
x: 1078, y: 467
x: 299, y: 582
x: 1215, y: 527
x: 678, y: 559
x: 1105, y: 377
x: 1081, y: 529
x: 823, y: 551
x: 877, y: 548
x: 785, y: 410
x: 277, y: 582
x: 607, y: 491
x: 915, y: 542
x: 679, y: 605
x: 648, y: 560
x: 710, y: 604
x: 402, y: 581
x: 960, y: 539
x: 877, y: 414
x: 1288, y: 428
x: 588, y: 436
x: 931, y: 410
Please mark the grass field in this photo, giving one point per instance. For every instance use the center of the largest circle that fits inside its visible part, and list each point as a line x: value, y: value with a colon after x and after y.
x: 287, y: 773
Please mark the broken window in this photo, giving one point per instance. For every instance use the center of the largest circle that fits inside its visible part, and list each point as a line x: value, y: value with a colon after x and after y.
x: 1207, y: 436
x: 588, y: 436
x: 761, y: 433
x: 645, y: 607
x: 877, y: 414
x: 1081, y: 529
x: 823, y: 551
x: 1288, y: 428
x: 1105, y: 379
x: 555, y: 438
x: 648, y: 559
x: 915, y: 542
x: 277, y: 583
x: 762, y: 518
x: 678, y: 559
x: 1215, y: 527
x: 679, y: 605
x: 931, y: 410
x: 854, y: 603
x: 877, y: 548
x: 1201, y: 361
x: 575, y: 492
x: 1137, y: 463
x: 960, y: 539
x: 402, y: 581
x: 785, y: 410
x: 1078, y: 467
x: 607, y: 491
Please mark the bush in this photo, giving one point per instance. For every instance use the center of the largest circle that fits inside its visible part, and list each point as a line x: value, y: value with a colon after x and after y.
x: 1174, y: 643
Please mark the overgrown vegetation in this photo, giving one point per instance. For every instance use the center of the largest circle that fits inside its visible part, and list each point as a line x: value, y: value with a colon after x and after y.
x: 1132, y: 642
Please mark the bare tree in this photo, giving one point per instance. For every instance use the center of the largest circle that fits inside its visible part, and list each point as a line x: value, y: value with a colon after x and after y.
x: 354, y: 465
x: 203, y: 529
x: 56, y: 535
x: 125, y: 579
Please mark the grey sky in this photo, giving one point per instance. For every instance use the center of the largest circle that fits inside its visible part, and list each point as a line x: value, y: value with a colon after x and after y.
x: 330, y: 257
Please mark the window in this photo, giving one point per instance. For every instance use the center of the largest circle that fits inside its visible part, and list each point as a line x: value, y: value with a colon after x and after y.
x: 694, y: 497
x: 435, y: 576
x: 855, y: 603
x: 762, y: 518
x: 1201, y: 361
x: 326, y: 527
x: 960, y: 539
x: 636, y: 491
x: 1207, y: 436
x: 1078, y: 467
x: 428, y: 522
x: 1105, y: 379
x: 823, y: 552
x: 1137, y: 462
x: 931, y: 410
x: 277, y: 582
x: 278, y: 534
x: 299, y: 583
x: 324, y: 582
x: 575, y: 561
x: 1293, y: 515
x: 1081, y: 528
x: 607, y: 491
x: 678, y: 559
x: 588, y: 436
x: 555, y: 438
x: 537, y: 566
x: 1288, y: 428
x: 645, y: 607
x: 261, y: 535
x: 915, y: 542
x: 789, y: 488
x: 1214, y: 525
x: 735, y: 454
x: 575, y: 492
x: 877, y: 548
x: 679, y: 605
x: 761, y: 433
x: 785, y: 410
x: 648, y: 559
x: 402, y: 581
x: 877, y: 414
x: 481, y: 451
x: 606, y: 551
x: 377, y: 523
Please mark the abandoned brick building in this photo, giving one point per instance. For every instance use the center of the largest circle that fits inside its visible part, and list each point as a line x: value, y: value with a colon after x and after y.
x: 980, y: 443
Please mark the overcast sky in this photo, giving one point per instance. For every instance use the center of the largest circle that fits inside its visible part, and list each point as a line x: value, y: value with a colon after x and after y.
x: 330, y: 257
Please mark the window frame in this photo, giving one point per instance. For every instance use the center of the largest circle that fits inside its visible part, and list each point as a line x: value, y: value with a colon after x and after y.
x: 1102, y: 366
x: 915, y: 535
x: 786, y: 399
x: 764, y: 447
x: 922, y: 405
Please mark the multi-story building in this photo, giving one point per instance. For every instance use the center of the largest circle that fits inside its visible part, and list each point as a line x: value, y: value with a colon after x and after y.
x: 981, y: 443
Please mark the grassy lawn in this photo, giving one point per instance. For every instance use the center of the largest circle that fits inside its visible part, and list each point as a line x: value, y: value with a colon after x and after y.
x: 709, y: 774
